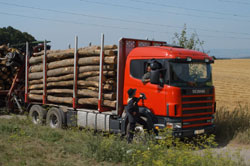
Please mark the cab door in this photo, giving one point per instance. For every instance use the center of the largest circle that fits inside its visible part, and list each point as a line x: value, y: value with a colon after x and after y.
x: 154, y: 93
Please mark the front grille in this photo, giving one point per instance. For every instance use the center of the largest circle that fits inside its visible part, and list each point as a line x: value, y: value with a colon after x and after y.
x: 197, y: 98
x: 197, y: 104
x: 197, y: 101
x: 197, y: 111
x: 195, y: 121
x: 191, y: 105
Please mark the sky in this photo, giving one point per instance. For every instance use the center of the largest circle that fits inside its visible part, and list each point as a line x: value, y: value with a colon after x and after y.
x: 221, y: 24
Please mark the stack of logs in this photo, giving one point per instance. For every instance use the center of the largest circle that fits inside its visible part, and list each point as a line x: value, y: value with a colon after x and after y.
x: 60, y: 76
x: 7, y: 73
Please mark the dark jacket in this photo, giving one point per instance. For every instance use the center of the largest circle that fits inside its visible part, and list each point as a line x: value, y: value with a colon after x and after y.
x: 133, y: 109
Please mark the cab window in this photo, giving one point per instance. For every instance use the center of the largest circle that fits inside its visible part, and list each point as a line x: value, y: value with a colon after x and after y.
x: 138, y: 68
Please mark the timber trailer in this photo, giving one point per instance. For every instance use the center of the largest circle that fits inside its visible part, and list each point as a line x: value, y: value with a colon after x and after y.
x: 184, y: 101
x: 13, y: 98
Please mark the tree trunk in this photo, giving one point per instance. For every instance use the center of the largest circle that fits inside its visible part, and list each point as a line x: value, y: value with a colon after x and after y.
x: 81, y: 84
x: 58, y: 51
x: 69, y: 100
x: 80, y: 93
x: 69, y: 54
x: 106, y: 47
x: 71, y: 76
x: 95, y: 78
x: 53, y: 56
x: 67, y: 70
x: 94, y: 101
x: 70, y: 62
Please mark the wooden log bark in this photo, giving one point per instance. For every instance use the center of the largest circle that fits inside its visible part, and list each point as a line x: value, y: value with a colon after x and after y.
x: 69, y: 54
x: 110, y: 81
x: 70, y: 62
x: 94, y: 101
x: 95, y: 78
x: 81, y: 84
x: 35, y: 97
x: 71, y: 76
x: 67, y: 70
x: 69, y: 100
x: 53, y: 56
x: 36, y: 82
x: 106, y: 47
x: 92, y: 88
x: 110, y: 47
x: 106, y: 88
x: 60, y: 100
x: 91, y: 52
x: 58, y: 51
x: 3, y: 62
x: 80, y: 93
x: 48, y: 52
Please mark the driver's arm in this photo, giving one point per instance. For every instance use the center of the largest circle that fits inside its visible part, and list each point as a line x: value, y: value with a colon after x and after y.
x: 146, y: 77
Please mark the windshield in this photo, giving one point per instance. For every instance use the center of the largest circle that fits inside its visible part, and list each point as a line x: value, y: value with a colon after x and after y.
x: 190, y: 74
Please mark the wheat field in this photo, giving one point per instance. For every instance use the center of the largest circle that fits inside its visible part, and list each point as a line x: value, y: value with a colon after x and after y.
x: 231, y: 79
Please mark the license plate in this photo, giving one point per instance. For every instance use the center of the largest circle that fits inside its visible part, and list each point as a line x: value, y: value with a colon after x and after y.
x: 196, y: 132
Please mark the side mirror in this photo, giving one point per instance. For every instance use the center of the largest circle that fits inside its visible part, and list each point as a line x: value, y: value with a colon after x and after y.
x: 155, y: 76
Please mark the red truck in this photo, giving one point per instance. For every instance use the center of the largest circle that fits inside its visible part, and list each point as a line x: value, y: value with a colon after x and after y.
x: 179, y: 95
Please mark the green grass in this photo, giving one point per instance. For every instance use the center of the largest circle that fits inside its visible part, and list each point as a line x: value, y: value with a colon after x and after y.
x: 233, y: 125
x: 22, y: 143
x: 3, y: 111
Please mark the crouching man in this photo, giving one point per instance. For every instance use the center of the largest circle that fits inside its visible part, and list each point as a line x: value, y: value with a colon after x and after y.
x: 132, y: 111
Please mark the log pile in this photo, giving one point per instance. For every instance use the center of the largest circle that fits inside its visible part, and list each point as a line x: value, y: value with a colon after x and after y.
x: 60, y: 76
x: 7, y: 73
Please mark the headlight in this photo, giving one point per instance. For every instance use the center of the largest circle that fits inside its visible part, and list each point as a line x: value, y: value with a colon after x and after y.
x: 177, y: 125
x: 174, y: 125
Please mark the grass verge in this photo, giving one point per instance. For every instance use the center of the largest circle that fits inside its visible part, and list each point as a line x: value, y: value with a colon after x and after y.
x: 22, y: 143
x: 233, y: 125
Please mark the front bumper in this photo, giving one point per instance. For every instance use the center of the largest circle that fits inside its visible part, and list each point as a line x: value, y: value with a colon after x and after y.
x: 191, y: 132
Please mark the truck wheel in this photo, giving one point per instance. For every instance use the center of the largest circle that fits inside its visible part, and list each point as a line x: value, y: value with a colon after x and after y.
x: 37, y: 114
x: 54, y: 118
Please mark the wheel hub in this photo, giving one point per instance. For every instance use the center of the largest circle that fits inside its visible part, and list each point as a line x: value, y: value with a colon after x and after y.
x: 35, y: 117
x: 53, y: 121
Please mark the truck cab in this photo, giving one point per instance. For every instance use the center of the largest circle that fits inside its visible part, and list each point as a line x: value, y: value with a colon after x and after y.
x: 180, y: 94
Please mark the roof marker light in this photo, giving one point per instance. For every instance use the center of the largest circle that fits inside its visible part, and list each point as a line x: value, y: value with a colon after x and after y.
x: 189, y: 59
x: 206, y: 60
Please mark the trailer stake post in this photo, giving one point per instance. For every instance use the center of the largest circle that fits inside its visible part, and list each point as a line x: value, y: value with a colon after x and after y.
x: 100, y: 97
x: 75, y: 74
x: 45, y: 73
x: 26, y: 73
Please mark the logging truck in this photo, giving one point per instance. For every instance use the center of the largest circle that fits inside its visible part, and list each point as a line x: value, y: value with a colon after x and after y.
x: 180, y: 94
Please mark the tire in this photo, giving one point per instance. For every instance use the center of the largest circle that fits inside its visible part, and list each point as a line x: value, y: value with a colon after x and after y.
x: 37, y: 114
x: 55, y: 118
